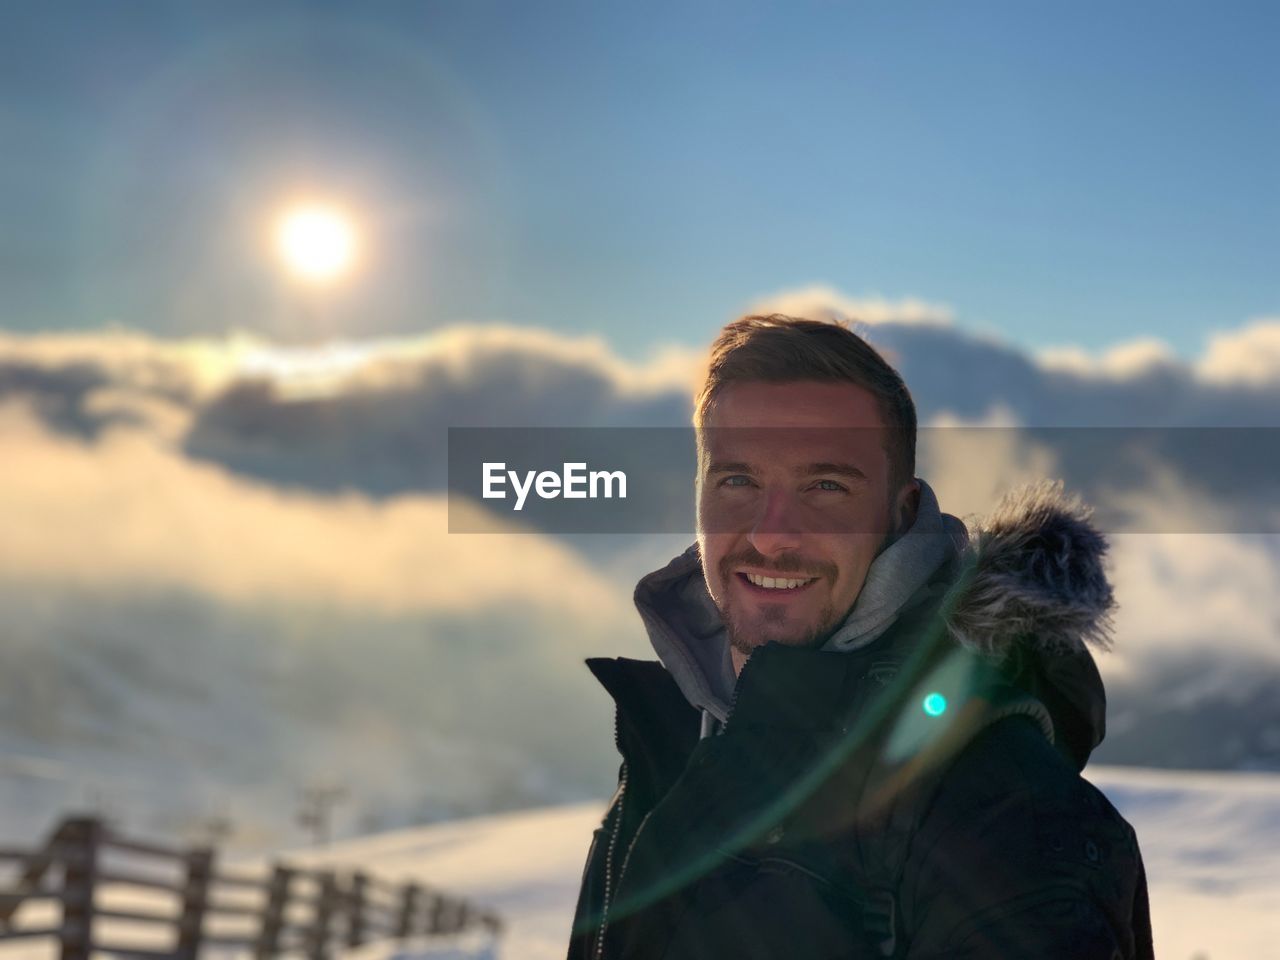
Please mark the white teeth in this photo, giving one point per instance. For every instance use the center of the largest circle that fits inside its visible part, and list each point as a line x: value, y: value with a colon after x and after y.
x: 777, y: 583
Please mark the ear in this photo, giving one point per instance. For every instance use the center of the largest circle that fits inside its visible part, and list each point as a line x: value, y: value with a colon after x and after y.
x: 902, y: 512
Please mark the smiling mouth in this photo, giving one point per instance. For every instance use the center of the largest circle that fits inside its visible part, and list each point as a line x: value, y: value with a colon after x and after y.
x: 776, y: 585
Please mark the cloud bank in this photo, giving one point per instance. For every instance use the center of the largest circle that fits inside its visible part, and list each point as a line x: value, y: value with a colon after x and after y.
x: 225, y: 567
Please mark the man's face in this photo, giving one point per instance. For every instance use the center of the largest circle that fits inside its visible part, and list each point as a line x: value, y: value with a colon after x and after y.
x: 794, y: 502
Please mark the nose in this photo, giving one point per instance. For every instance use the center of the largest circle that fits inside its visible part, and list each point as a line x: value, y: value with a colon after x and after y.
x: 777, y: 529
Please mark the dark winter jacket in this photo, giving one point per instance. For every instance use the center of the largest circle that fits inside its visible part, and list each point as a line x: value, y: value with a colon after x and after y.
x: 919, y: 796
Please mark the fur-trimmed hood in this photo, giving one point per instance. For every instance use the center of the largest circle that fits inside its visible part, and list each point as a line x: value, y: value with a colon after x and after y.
x: 1036, y: 577
x: 1027, y: 588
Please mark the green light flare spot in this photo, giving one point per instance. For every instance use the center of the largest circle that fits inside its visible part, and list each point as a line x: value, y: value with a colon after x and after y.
x: 935, y: 704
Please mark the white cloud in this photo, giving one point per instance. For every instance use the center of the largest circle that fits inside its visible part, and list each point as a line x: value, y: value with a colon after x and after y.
x: 1245, y: 357
x: 205, y: 365
x: 1123, y: 361
x: 191, y: 366
x: 460, y: 350
x: 972, y: 463
x: 820, y: 302
x: 1203, y: 596
x: 1249, y: 355
x: 130, y: 510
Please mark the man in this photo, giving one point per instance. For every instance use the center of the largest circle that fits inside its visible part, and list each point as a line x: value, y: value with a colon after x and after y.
x: 865, y: 734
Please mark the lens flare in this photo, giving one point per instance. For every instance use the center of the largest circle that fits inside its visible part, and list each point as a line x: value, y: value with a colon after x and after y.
x: 935, y: 704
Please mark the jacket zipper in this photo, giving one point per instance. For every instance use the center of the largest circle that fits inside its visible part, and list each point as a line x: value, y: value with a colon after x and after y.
x: 604, y: 919
x: 608, y: 860
x: 733, y: 700
x: 619, y: 810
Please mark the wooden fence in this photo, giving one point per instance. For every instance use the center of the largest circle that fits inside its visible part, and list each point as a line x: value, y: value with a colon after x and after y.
x: 94, y: 891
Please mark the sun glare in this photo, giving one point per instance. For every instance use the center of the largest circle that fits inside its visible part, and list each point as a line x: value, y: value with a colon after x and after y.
x: 317, y: 243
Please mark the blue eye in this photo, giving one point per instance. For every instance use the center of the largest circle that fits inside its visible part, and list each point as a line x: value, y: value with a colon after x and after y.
x: 733, y: 481
x: 829, y: 485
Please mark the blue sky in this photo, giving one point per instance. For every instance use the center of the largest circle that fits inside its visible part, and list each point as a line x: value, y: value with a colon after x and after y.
x: 1065, y: 173
x: 1082, y: 173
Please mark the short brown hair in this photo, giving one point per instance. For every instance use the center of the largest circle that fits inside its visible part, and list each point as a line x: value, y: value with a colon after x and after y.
x: 781, y: 349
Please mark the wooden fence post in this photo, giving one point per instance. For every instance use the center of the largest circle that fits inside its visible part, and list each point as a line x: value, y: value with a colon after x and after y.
x: 38, y: 864
x: 436, y: 918
x: 409, y: 897
x: 195, y: 898
x: 82, y: 837
x: 356, y: 919
x: 324, y: 916
x: 274, y: 912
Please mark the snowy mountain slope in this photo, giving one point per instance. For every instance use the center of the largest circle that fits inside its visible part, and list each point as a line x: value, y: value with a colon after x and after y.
x: 1211, y: 843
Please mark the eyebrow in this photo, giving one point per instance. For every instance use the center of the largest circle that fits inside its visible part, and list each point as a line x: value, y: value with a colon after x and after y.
x: 847, y: 470
x: 730, y: 466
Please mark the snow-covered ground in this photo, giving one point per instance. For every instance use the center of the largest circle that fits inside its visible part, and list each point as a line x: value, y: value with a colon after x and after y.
x: 1211, y: 843
x: 526, y: 866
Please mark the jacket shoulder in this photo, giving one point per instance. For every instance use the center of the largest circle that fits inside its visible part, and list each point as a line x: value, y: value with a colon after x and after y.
x: 1017, y: 846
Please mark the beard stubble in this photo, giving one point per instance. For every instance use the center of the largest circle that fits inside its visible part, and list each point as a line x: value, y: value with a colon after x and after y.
x: 746, y: 637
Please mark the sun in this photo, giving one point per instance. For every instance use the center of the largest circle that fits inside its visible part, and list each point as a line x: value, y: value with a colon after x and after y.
x: 316, y: 242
